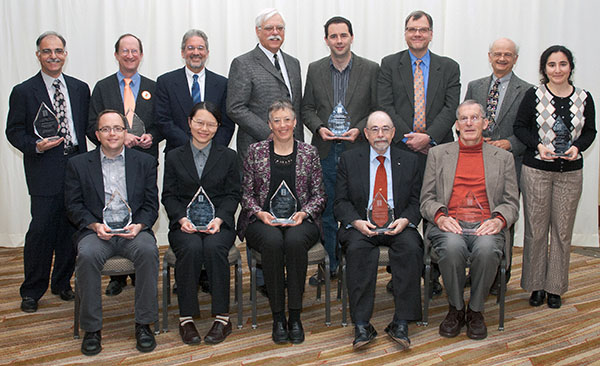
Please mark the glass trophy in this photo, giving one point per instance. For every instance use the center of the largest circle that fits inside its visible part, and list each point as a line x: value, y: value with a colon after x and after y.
x: 562, y: 139
x: 46, y: 123
x: 117, y: 214
x: 283, y: 205
x: 339, y: 121
x: 380, y: 214
x: 469, y: 214
x: 135, y: 124
x: 200, y: 211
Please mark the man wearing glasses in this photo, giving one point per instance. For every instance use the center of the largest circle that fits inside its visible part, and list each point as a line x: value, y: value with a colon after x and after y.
x: 44, y: 159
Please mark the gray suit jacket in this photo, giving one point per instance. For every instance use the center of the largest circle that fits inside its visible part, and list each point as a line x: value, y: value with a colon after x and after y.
x: 318, y: 103
x: 253, y: 85
x: 395, y: 93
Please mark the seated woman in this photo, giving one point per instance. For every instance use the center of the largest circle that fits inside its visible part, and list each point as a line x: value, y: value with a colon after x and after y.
x: 283, y: 247
x: 202, y: 163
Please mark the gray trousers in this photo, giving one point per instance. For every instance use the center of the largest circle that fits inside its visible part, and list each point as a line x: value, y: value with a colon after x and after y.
x: 455, y: 252
x: 93, y: 253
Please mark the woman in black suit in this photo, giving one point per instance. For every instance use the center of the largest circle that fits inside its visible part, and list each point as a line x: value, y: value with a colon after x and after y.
x: 202, y: 163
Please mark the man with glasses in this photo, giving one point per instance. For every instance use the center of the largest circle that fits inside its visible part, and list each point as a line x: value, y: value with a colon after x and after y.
x: 90, y: 182
x: 44, y: 159
x: 470, y: 198
x: 369, y: 177
x: 179, y: 90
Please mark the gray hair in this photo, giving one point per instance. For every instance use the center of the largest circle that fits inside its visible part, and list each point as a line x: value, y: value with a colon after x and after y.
x: 515, y: 45
x: 281, y: 104
x: 47, y: 34
x: 193, y: 33
x: 470, y: 102
x: 266, y: 14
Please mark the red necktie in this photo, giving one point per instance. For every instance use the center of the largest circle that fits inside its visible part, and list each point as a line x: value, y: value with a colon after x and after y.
x: 380, y: 179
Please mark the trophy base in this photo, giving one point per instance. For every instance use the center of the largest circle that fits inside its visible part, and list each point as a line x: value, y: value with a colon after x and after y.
x: 53, y: 138
x: 283, y: 221
x: 119, y: 231
x: 381, y: 230
x: 559, y: 155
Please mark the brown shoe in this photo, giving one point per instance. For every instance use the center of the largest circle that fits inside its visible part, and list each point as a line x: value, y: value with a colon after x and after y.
x: 218, y: 332
x: 453, y: 323
x: 189, y: 333
x: 476, y: 328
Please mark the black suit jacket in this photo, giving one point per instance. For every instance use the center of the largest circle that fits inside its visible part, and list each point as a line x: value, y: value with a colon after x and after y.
x: 84, y: 190
x: 220, y: 180
x: 45, y: 171
x: 107, y: 95
x: 174, y: 102
x: 352, y: 185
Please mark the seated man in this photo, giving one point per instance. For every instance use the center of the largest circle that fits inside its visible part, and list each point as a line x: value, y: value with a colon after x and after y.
x: 456, y: 173
x: 90, y: 181
x: 393, y: 175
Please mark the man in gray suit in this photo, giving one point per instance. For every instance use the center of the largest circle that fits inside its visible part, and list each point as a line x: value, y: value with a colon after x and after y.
x: 342, y: 77
x: 456, y: 173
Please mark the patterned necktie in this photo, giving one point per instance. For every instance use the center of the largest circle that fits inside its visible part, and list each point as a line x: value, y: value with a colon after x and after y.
x: 278, y: 67
x: 128, y: 101
x: 60, y: 107
x: 492, y: 102
x: 419, y: 90
x: 196, y: 96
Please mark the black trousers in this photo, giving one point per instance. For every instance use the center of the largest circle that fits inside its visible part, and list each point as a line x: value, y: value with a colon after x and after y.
x: 406, y: 262
x: 194, y: 251
x: 49, y: 235
x: 283, y: 249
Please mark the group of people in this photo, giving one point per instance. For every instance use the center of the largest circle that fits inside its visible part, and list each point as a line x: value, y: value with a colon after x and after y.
x: 367, y: 186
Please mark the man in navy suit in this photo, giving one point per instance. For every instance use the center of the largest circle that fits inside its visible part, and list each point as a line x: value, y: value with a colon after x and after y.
x: 49, y: 234
x: 177, y: 91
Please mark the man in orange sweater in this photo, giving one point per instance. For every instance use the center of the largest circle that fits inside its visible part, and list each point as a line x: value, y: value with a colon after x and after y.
x: 470, y: 197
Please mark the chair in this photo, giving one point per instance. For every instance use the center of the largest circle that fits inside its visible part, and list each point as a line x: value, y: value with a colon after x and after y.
x: 114, y: 266
x: 235, y: 259
x: 316, y: 255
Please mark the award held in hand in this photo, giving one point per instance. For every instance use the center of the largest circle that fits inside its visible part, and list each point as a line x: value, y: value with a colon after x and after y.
x: 562, y: 137
x: 469, y: 214
x: 135, y: 125
x: 339, y: 121
x: 117, y: 214
x: 46, y: 123
x: 283, y: 205
x: 200, y: 211
x: 380, y: 214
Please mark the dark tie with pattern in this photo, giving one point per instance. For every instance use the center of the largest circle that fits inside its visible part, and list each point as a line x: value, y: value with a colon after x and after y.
x: 196, y: 96
x: 492, y: 104
x: 278, y: 67
x: 60, y: 107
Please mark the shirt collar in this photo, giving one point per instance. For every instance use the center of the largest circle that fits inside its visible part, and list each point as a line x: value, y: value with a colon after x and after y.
x: 373, y: 154
x: 348, y: 67
x: 504, y: 79
x: 135, y: 78
x: 121, y: 154
x: 190, y: 74
x: 204, y: 151
x: 425, y: 59
x: 48, y: 80
x: 269, y: 53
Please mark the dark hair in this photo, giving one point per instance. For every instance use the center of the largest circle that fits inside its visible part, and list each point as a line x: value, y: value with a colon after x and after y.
x: 128, y: 35
x: 207, y: 106
x: 281, y: 104
x: 48, y: 34
x: 338, y: 20
x: 108, y: 111
x: 544, y: 59
x: 416, y: 15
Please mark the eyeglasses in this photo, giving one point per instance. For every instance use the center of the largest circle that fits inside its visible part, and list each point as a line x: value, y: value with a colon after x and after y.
x: 202, y: 124
x: 286, y: 120
x: 500, y: 54
x: 375, y: 129
x: 473, y: 119
x: 192, y: 48
x: 270, y: 28
x: 413, y: 30
x: 125, y: 52
x: 116, y: 129
x: 48, y: 51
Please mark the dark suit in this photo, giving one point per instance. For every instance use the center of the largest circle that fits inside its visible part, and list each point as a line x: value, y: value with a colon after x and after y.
x: 84, y: 201
x: 406, y: 253
x: 221, y: 182
x: 49, y: 231
x: 107, y: 95
x: 174, y: 102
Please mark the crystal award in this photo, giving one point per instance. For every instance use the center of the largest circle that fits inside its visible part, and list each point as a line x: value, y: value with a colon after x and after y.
x: 200, y: 211
x: 283, y: 205
x: 135, y: 124
x: 469, y: 214
x: 562, y: 137
x: 46, y: 123
x: 380, y: 214
x: 117, y: 214
x: 339, y: 121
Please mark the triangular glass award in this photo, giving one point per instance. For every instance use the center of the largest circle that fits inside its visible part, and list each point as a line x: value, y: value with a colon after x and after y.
x: 46, y: 123
x: 200, y: 211
x: 469, y: 214
x: 339, y: 120
x: 117, y: 214
x: 380, y: 214
x: 283, y: 205
x: 136, y: 126
x: 562, y: 137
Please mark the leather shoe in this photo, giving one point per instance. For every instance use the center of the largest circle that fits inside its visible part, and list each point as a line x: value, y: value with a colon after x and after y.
x: 436, y: 288
x: 389, y: 287
x: 114, y: 288
x: 218, y: 332
x: 315, y: 279
x: 537, y: 298
x: 280, y: 332
x: 65, y: 295
x: 295, y: 332
x: 451, y: 325
x: 476, y: 328
x: 363, y: 335
x: 29, y: 304
x: 144, y: 337
x: 554, y: 301
x: 92, y: 343
x: 263, y: 290
x: 189, y: 333
x: 398, y: 331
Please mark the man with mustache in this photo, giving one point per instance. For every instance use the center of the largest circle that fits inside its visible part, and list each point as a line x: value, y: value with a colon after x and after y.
x: 44, y: 159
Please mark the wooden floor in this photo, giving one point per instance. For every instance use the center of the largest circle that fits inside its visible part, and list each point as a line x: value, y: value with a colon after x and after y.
x: 533, y: 336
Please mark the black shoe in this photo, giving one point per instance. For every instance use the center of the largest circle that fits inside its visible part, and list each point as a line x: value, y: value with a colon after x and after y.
x: 29, y: 305
x: 363, y: 335
x: 390, y: 287
x: 315, y: 279
x: 295, y: 332
x: 65, y: 295
x: 398, y: 331
x: 537, y: 298
x: 436, y: 288
x: 144, y: 337
x: 114, y: 287
x: 554, y: 301
x: 263, y: 290
x: 280, y: 332
x: 218, y: 332
x: 92, y: 343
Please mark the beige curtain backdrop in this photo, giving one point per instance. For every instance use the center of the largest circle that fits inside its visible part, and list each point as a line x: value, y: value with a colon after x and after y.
x: 463, y: 30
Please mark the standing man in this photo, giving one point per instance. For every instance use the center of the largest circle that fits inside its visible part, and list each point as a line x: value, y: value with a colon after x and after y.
x: 49, y: 234
x: 368, y: 174
x: 177, y: 91
x: 342, y: 77
x: 91, y: 179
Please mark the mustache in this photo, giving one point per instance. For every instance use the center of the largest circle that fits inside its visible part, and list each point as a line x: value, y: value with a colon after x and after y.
x: 274, y: 38
x: 55, y: 60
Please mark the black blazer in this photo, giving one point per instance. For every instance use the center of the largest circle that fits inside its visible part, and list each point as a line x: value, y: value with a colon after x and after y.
x: 107, y: 95
x: 44, y: 172
x: 174, y: 102
x: 84, y: 190
x: 220, y: 179
x: 352, y: 185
